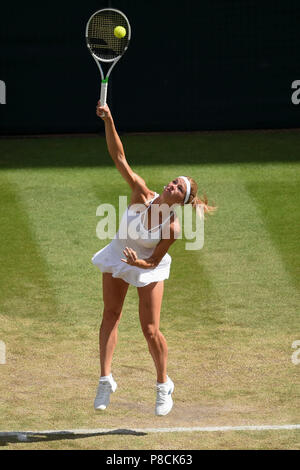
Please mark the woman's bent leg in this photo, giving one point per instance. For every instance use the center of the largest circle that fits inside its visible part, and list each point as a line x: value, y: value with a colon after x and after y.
x: 149, y: 309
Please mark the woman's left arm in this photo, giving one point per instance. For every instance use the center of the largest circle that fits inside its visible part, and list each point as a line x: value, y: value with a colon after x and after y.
x: 159, y: 252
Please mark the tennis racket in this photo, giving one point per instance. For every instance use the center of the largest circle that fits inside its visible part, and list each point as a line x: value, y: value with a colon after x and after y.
x: 106, y: 48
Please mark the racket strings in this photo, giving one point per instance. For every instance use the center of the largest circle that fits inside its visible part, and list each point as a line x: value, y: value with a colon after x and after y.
x: 101, y: 39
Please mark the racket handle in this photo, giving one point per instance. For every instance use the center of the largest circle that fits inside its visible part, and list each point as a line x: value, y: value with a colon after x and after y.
x: 103, y: 95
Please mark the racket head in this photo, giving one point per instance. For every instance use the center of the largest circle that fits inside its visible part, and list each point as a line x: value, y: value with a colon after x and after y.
x: 100, y: 38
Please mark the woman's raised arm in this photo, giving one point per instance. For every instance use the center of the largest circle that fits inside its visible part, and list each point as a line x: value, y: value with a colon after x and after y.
x: 116, y: 151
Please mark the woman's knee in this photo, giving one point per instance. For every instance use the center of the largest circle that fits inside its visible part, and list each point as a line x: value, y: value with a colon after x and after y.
x: 150, y: 332
x: 111, y: 315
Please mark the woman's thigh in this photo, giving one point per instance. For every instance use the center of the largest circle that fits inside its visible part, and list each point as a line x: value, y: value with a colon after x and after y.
x: 150, y: 300
x: 114, y: 293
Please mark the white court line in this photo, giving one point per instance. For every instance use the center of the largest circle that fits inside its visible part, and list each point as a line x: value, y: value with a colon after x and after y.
x: 155, y: 430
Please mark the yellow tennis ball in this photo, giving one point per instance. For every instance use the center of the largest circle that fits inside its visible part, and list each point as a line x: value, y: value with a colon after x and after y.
x: 119, y: 32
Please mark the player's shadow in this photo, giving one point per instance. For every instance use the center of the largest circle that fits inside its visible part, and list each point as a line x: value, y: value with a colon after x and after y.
x: 32, y: 437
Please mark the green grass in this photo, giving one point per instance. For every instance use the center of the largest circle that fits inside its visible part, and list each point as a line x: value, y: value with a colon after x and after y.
x: 230, y: 311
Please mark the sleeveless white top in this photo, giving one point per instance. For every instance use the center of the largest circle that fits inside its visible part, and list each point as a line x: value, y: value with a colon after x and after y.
x: 143, y: 241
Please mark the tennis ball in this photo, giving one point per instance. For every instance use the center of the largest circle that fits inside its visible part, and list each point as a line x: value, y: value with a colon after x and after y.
x: 119, y: 32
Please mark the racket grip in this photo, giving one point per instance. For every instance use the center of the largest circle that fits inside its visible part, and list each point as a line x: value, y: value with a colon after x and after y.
x: 103, y: 94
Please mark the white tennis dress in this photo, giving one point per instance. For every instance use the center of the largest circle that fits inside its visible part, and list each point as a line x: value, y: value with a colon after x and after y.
x: 132, y: 233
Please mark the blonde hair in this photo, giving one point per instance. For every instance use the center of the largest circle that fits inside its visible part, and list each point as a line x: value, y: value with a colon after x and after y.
x: 197, y: 201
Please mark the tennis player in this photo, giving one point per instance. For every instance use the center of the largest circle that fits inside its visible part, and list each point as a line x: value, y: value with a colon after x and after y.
x: 142, y: 260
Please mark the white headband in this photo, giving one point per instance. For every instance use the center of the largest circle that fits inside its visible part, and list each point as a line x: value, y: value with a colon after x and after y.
x: 188, y: 188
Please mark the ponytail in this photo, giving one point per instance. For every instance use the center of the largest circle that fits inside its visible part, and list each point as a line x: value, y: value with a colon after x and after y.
x: 202, y: 202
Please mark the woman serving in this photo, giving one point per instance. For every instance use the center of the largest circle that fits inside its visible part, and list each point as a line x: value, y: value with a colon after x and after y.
x: 139, y: 257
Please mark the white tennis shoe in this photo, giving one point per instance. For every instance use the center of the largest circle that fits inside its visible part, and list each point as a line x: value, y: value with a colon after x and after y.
x: 105, y: 388
x: 164, y: 401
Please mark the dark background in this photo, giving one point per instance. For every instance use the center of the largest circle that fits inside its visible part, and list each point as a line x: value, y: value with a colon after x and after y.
x: 191, y: 65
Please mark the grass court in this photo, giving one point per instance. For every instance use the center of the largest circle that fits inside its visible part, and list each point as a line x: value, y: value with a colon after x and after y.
x: 230, y: 312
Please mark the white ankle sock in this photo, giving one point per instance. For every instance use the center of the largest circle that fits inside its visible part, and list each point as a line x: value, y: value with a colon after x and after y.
x: 105, y: 377
x: 161, y: 383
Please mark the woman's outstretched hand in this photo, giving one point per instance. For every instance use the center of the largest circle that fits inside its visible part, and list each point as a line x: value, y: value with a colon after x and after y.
x: 131, y: 256
x: 103, y: 111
